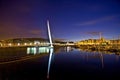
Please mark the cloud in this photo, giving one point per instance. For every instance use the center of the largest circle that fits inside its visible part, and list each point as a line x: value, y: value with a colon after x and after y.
x: 88, y: 22
x: 98, y: 20
x: 35, y: 32
x: 9, y: 31
x: 13, y: 30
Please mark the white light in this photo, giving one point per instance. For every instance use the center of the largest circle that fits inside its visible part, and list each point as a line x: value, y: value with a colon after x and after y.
x: 36, y: 42
x: 28, y: 50
x: 35, y: 51
x: 49, y: 62
x: 49, y: 33
x: 9, y: 44
x: 18, y: 44
x: 30, y: 43
x: 25, y: 43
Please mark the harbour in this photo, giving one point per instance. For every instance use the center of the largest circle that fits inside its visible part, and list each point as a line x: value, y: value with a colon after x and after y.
x: 66, y: 63
x: 59, y: 39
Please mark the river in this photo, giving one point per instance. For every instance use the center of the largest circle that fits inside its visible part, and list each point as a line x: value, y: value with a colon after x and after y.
x: 65, y: 63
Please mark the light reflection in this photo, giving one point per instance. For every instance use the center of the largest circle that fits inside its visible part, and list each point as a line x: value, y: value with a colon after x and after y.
x: 68, y: 48
x: 95, y: 54
x: 28, y: 50
x: 49, y: 62
x: 102, y: 60
x: 37, y: 50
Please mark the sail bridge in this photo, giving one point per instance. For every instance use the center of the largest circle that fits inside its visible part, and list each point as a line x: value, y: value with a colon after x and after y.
x: 42, y: 49
x: 49, y: 34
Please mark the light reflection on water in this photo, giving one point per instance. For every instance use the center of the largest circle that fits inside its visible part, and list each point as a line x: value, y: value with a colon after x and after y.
x: 37, y: 50
x: 49, y: 62
x: 68, y: 48
x: 67, y: 61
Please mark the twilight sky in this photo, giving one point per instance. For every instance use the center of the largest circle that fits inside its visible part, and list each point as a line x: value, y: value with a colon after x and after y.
x: 69, y: 19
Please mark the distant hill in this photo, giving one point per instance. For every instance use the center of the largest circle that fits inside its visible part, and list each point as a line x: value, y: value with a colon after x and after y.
x: 16, y: 40
x: 23, y: 40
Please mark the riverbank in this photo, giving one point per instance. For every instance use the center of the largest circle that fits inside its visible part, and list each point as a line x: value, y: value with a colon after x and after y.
x: 115, y: 49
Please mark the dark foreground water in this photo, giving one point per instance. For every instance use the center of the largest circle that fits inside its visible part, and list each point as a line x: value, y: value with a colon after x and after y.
x: 65, y: 64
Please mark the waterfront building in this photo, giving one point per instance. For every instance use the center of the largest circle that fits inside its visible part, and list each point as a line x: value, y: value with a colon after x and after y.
x: 101, y: 41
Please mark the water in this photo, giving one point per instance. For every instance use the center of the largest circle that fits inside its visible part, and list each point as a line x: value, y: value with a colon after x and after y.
x: 65, y: 63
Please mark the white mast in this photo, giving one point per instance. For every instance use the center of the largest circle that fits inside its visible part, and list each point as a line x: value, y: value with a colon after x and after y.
x: 49, y: 34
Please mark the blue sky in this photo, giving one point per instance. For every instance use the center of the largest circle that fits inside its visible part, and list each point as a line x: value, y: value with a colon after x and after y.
x: 69, y: 19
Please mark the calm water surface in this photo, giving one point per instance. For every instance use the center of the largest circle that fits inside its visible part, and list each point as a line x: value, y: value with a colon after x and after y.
x: 65, y: 63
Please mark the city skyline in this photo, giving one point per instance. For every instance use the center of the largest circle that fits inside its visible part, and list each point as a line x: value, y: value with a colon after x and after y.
x: 69, y: 19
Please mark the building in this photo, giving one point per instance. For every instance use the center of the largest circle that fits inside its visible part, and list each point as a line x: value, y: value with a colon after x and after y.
x: 101, y: 41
